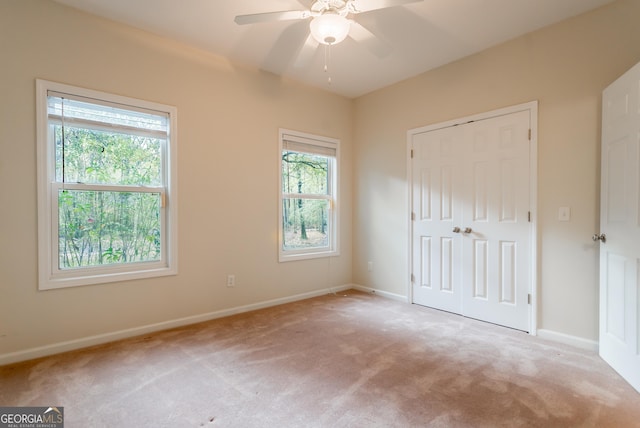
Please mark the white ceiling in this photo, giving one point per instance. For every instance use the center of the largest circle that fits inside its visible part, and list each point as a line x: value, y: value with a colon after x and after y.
x: 422, y: 35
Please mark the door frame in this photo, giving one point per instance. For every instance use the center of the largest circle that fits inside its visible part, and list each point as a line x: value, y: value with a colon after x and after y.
x: 532, y: 108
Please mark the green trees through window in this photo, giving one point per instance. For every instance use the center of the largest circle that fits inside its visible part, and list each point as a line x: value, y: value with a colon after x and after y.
x: 105, y: 227
x: 304, y: 177
x: 98, y: 228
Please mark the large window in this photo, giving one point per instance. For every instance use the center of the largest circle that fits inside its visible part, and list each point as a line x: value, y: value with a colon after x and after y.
x: 106, y: 187
x: 308, y: 201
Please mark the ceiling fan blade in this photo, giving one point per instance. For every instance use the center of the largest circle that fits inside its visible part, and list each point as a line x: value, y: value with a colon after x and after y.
x: 283, y: 52
x: 357, y: 6
x: 369, y: 40
x: 286, y: 15
x: 306, y: 53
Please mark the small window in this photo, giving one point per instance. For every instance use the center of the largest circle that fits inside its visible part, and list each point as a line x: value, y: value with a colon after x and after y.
x: 308, y: 196
x: 106, y: 187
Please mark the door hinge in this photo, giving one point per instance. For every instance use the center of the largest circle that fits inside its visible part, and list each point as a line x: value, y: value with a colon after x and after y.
x: 529, y: 134
x: 411, y: 153
x: 413, y: 216
x: 529, y: 216
x: 413, y: 278
x: 529, y: 299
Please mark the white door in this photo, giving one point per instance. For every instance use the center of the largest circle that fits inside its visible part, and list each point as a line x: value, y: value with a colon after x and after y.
x: 496, y: 253
x: 437, y: 210
x: 620, y: 227
x: 471, y: 232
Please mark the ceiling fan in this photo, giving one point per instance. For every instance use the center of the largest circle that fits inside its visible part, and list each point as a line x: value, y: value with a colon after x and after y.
x: 331, y: 22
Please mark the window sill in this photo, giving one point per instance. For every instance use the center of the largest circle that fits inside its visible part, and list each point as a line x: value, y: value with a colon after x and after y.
x: 287, y: 257
x: 52, y: 283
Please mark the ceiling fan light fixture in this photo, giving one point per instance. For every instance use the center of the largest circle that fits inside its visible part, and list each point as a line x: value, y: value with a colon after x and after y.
x: 329, y: 28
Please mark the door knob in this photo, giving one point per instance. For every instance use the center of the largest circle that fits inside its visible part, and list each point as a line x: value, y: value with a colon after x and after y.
x: 601, y: 237
x: 456, y: 229
x: 467, y: 230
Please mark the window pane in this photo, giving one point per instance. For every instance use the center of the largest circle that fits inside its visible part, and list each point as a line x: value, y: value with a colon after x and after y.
x: 304, y: 173
x: 103, y: 157
x: 305, y: 223
x: 101, y: 228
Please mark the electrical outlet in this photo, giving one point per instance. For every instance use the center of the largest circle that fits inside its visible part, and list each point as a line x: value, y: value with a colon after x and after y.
x: 231, y: 280
x: 370, y: 266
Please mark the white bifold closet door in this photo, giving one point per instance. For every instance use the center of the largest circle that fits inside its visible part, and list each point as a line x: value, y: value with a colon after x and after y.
x: 471, y: 230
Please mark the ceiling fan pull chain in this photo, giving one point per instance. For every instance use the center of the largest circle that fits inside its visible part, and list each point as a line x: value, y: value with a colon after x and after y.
x: 326, y: 66
x: 327, y: 58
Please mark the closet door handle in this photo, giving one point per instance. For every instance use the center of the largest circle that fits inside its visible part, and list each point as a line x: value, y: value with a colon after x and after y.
x: 456, y: 229
x: 467, y: 230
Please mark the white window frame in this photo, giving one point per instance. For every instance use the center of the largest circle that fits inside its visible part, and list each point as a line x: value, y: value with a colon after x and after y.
x: 50, y: 276
x: 333, y: 249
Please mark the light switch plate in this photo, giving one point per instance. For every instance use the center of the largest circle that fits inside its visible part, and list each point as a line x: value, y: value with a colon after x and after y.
x: 564, y: 214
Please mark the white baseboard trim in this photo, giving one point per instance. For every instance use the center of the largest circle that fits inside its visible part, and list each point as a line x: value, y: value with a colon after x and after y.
x: 84, y: 342
x: 386, y: 294
x: 567, y: 339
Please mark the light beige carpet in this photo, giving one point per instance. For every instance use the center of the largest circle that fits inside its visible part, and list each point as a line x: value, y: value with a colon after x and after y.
x: 345, y: 360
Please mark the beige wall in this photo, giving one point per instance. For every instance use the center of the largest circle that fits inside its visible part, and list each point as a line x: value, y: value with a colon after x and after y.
x: 228, y: 177
x: 565, y: 67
